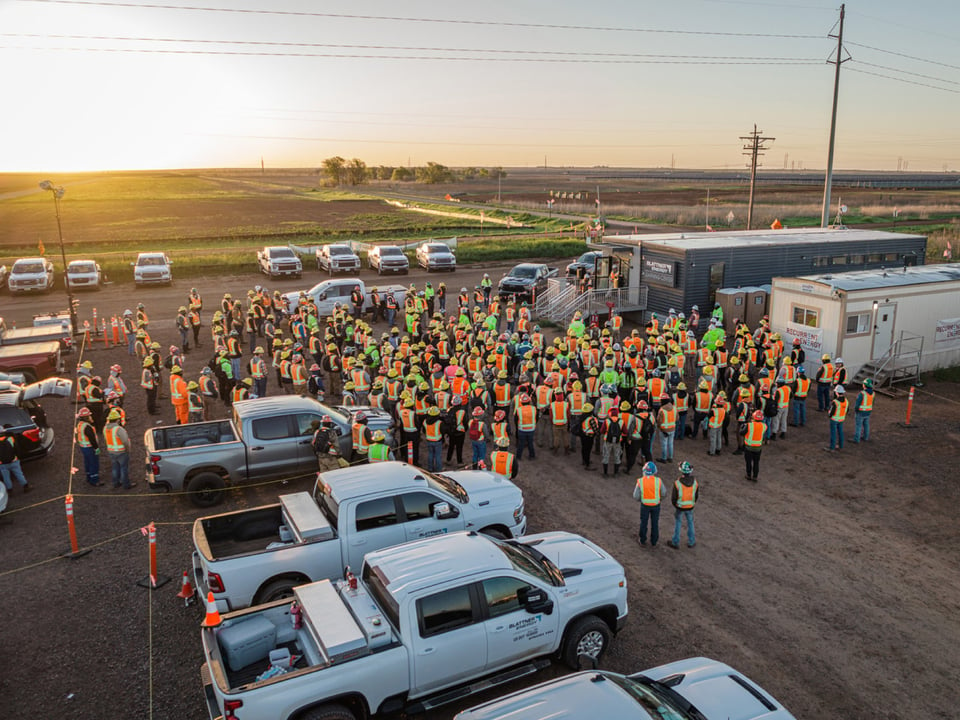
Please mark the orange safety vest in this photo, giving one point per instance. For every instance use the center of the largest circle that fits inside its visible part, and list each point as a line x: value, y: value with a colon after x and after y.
x: 866, y: 402
x: 826, y: 374
x: 544, y: 393
x: 499, y: 430
x: 558, y: 412
x: 656, y: 388
x: 502, y: 393
x: 82, y: 439
x: 686, y: 495
x: 577, y: 400
x: 408, y: 419
x: 527, y: 418
x: 146, y: 379
x: 783, y: 397
x: 681, y: 403
x: 299, y: 374
x: 433, y: 430
x: 716, y: 417
x: 359, y: 438
x: 178, y: 390
x: 668, y: 419
x: 361, y: 381
x: 803, y: 387
x: 754, y: 436
x: 111, y: 435
x: 650, y: 486
x: 502, y: 462
x: 840, y: 410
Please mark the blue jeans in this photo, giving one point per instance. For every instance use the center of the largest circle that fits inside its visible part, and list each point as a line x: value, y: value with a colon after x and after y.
x: 479, y: 451
x: 12, y: 469
x: 678, y: 518
x: 260, y: 386
x: 800, y: 411
x: 681, y: 425
x: 666, y: 445
x: 767, y: 423
x: 91, y: 464
x: 435, y: 455
x: 525, y: 440
x: 120, y: 469
x: 650, y: 513
x: 235, y: 366
x: 131, y: 342
x: 823, y: 396
x: 836, y: 435
x: 391, y: 317
x: 861, y: 426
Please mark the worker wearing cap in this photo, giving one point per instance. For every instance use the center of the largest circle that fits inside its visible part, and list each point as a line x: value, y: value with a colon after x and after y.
x: 433, y: 437
x: 86, y: 437
x: 837, y: 413
x: 686, y: 492
x: 379, y: 451
x: 649, y: 492
x: 178, y: 395
x: 862, y: 407
x: 118, y: 448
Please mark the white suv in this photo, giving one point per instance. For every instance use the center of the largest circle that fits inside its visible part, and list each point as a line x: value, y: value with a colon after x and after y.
x: 30, y: 275
x: 336, y: 258
x: 152, y: 268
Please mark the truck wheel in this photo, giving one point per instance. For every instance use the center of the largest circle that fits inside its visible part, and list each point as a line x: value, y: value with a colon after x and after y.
x: 206, y: 488
x: 276, y: 590
x: 496, y: 532
x: 587, y: 636
x: 328, y: 712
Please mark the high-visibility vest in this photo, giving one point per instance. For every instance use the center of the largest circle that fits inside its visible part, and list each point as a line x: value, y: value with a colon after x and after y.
x: 656, y: 388
x: 194, y: 401
x: 783, y: 397
x: 754, y: 435
x: 826, y: 373
x: 803, y: 387
x: 178, y: 390
x: 577, y: 400
x: 408, y: 419
x: 459, y: 417
x: 207, y: 386
x: 112, y: 436
x: 527, y: 418
x: 392, y: 388
x: 558, y: 412
x: 502, y: 393
x: 716, y: 417
x: 650, y: 489
x: 686, y: 495
x: 433, y: 430
x: 745, y: 393
x: 681, y: 402
x: 544, y: 393
x: 502, y: 462
x: 285, y: 369
x: 839, y: 410
x: 359, y: 438
x: 146, y: 379
x: 239, y: 393
x: 704, y: 356
x: 378, y: 452
x: 668, y: 419
x: 298, y: 373
x: 258, y: 368
x: 82, y: 439
x: 866, y: 401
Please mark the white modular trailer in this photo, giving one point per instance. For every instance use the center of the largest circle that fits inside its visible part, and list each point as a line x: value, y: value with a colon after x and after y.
x: 861, y: 315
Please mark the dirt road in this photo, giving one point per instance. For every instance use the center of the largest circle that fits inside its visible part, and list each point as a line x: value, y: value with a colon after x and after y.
x: 833, y: 582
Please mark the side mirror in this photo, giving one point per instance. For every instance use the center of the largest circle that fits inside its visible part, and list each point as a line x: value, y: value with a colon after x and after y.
x: 444, y: 511
x: 535, y: 600
x: 323, y: 296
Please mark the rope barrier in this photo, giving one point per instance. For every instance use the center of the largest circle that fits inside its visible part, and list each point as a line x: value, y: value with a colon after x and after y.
x: 61, y: 557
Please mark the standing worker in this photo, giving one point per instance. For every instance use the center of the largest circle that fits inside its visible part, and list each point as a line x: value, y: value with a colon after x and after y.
x: 502, y: 461
x: 178, y: 395
x: 433, y: 436
x: 862, y: 407
x: 326, y: 444
x: 824, y: 380
x: 649, y: 491
x: 194, y: 403
x: 118, y: 447
x: 838, y: 413
x: 588, y: 431
x: 379, y: 451
x: 86, y: 436
x: 686, y: 492
x: 753, y: 431
x: 148, y: 381
x: 10, y: 468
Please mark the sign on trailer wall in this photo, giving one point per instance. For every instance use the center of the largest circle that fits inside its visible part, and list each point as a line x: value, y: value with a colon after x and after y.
x: 811, y: 338
x: 660, y: 271
x: 947, y: 333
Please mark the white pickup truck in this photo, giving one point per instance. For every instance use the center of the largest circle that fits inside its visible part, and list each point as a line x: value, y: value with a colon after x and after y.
x: 328, y: 293
x: 428, y: 623
x: 279, y: 261
x: 254, y: 556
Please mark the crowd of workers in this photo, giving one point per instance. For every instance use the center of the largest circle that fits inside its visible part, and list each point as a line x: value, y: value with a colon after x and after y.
x: 488, y: 383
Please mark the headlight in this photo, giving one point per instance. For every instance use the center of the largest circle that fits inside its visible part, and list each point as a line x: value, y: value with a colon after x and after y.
x: 518, y: 513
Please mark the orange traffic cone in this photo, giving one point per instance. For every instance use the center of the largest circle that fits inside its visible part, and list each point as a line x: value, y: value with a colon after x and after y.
x: 213, y: 615
x: 186, y: 589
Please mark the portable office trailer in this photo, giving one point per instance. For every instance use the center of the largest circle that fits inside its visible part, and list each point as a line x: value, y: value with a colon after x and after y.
x: 684, y: 269
x: 902, y: 315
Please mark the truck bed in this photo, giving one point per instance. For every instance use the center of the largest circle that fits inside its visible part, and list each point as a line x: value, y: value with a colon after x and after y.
x: 193, y: 435
x: 245, y: 531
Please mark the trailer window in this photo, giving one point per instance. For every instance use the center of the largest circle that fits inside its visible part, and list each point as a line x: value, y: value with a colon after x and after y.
x: 806, y: 316
x: 839, y: 260
x: 858, y: 323
x: 821, y: 261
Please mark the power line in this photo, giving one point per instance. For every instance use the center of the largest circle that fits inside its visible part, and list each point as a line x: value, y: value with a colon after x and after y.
x: 907, y: 72
x: 393, y: 18
x: 903, y: 80
x: 904, y: 55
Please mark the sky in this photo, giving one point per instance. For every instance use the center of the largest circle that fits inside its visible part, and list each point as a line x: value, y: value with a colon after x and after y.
x: 630, y: 83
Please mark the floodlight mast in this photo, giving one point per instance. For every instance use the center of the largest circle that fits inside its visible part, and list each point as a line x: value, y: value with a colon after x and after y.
x: 57, y: 191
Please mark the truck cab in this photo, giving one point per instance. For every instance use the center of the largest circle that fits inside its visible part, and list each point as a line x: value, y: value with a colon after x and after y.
x: 336, y: 258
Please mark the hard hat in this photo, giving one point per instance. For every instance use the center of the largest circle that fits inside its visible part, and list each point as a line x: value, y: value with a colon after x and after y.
x: 114, y: 415
x: 839, y: 361
x: 192, y: 385
x: 681, y: 386
x: 839, y: 390
x: 796, y: 341
x: 83, y: 412
x: 787, y: 361
x: 478, y: 411
x: 246, y: 381
x: 650, y: 468
x: 686, y: 468
x: 206, y: 371
x: 378, y: 436
x: 360, y: 417
x: 503, y: 442
x: 642, y: 405
x: 457, y: 400
x: 825, y: 357
x: 174, y: 349
x: 148, y: 362
x: 349, y: 385
x: 744, y: 378
x: 499, y: 415
x: 155, y: 345
x: 86, y: 365
x: 258, y: 350
x: 176, y: 369
x: 868, y: 383
x: 800, y: 369
x: 625, y: 406
x: 433, y: 411
x: 524, y: 399
x: 758, y: 416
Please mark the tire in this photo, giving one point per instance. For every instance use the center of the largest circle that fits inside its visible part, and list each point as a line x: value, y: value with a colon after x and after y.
x: 276, y: 590
x: 29, y: 376
x: 588, y: 636
x: 328, y: 712
x: 207, y: 488
x: 496, y: 532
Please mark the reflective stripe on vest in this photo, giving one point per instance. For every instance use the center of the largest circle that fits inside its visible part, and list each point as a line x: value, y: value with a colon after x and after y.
x: 111, y: 435
x: 866, y: 401
x: 827, y: 373
x: 433, y: 431
x: 668, y: 419
x: 783, y: 397
x: 754, y: 436
x: 558, y: 412
x: 359, y: 438
x: 82, y: 439
x: 650, y: 489
x: 803, y: 387
x: 716, y: 417
x: 378, y: 452
x: 499, y: 430
x: 527, y: 420
x: 502, y: 462
x: 686, y: 495
x: 840, y: 411
x: 408, y: 418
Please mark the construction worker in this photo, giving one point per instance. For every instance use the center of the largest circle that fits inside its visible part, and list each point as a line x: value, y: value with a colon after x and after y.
x: 589, y: 429
x: 409, y: 430
x: 86, y: 437
x: 326, y: 444
x: 667, y: 426
x: 782, y: 397
x: 178, y: 395
x: 149, y: 385
x: 333, y: 366
x: 526, y: 419
x: 824, y: 380
x: 10, y: 468
x: 95, y: 401
x: 361, y: 437
x: 649, y: 492
x: 433, y: 437
x: 208, y: 392
x: 502, y: 461
x: 862, y: 407
x: 837, y: 413
x: 800, y: 391
x: 183, y: 327
x: 257, y: 367
x: 686, y: 492
x: 559, y: 420
x: 379, y: 451
x: 478, y: 433
x: 456, y: 429
x: 298, y: 375
x: 611, y: 433
x: 194, y: 402
x: 715, y: 421
x: 129, y: 331
x: 753, y: 431
x: 118, y: 448
x: 116, y: 384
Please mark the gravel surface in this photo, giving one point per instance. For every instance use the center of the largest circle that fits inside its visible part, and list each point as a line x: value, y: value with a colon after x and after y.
x: 833, y: 582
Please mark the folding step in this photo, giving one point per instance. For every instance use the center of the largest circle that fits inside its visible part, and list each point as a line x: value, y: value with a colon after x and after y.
x: 462, y: 691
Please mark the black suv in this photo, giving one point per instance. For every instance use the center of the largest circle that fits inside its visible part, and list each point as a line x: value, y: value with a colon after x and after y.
x: 28, y: 424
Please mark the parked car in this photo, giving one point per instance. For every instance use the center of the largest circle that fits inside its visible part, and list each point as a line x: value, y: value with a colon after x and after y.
x: 33, y: 360
x: 328, y: 293
x: 693, y: 689
x: 436, y: 256
x: 279, y: 261
x: 20, y: 409
x: 152, y: 268
x: 30, y: 275
x: 524, y: 280
x: 83, y: 274
x: 387, y: 258
x: 586, y: 263
x: 336, y: 258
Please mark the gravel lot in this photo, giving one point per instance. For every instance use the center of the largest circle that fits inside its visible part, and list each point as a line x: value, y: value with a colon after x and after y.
x: 833, y: 582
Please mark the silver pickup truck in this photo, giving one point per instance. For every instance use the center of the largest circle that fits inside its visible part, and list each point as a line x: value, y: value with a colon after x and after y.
x: 425, y: 624
x: 249, y: 557
x: 266, y: 438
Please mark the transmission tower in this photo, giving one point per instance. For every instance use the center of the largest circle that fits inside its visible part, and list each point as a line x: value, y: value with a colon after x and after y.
x: 754, y: 147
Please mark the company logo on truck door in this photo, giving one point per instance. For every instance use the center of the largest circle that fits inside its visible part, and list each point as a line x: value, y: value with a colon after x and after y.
x: 431, y: 533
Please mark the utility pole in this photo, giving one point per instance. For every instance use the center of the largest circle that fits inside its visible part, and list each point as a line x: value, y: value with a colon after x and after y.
x: 828, y: 182
x: 754, y: 148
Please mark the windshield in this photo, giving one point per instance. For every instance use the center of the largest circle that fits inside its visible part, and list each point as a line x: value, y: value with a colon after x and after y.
x: 281, y: 253
x: 151, y: 260
x: 587, y: 258
x: 392, y: 251
x: 340, y: 250
x: 524, y: 272
x: 28, y: 267
x: 82, y: 267
x: 446, y: 484
x: 437, y: 249
x: 655, y: 698
x: 531, y: 561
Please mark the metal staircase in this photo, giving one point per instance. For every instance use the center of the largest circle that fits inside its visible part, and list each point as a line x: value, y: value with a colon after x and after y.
x: 900, y: 364
x: 558, y: 304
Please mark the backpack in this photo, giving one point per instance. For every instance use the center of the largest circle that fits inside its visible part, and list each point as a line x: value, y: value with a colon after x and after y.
x: 474, y: 429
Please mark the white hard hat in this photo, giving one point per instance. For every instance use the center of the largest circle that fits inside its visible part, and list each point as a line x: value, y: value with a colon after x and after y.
x: 840, y: 390
x: 839, y: 361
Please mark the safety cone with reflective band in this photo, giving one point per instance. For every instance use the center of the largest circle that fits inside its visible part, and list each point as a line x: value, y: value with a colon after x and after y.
x: 213, y: 615
x: 186, y: 589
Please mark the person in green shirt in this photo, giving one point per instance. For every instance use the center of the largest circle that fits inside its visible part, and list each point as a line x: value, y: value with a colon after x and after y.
x: 379, y: 451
